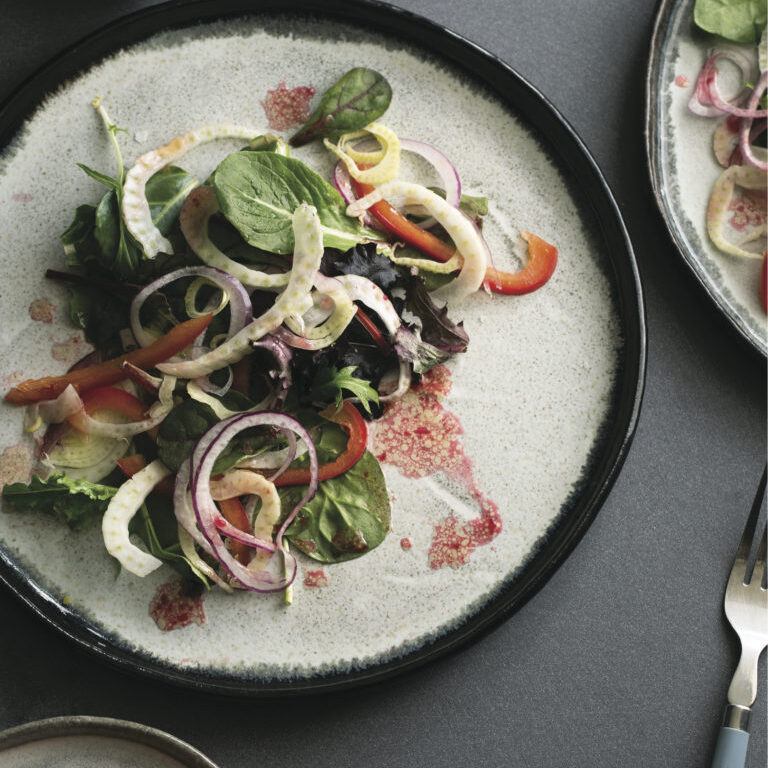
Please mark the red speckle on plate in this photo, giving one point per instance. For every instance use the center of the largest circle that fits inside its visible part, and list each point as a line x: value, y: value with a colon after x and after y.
x: 42, y: 310
x: 15, y: 464
x: 22, y: 197
x: 315, y: 578
x: 12, y: 379
x: 175, y: 606
x: 406, y: 544
x: 69, y: 351
x: 286, y: 107
x: 420, y: 437
x: 682, y: 81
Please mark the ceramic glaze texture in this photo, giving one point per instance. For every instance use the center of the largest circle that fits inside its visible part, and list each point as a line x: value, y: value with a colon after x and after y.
x: 520, y: 414
x: 688, y: 170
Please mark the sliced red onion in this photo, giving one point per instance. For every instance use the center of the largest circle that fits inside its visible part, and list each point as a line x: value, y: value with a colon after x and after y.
x: 211, y: 523
x: 706, y: 99
x: 445, y: 169
x: 240, y: 312
x: 139, y: 376
x: 343, y: 183
x: 745, y: 132
x: 205, y: 383
x: 282, y: 354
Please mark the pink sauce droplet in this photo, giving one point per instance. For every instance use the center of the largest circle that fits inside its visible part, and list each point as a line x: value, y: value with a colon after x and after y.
x: 175, y: 606
x: 406, y: 544
x: 22, y: 197
x: 315, y: 579
x: 682, y: 81
x: 12, y: 379
x: 42, y: 310
x: 286, y: 107
x: 69, y: 351
x: 420, y: 437
x: 15, y: 464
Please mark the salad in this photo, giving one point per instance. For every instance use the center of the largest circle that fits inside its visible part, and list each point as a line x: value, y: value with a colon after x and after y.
x: 246, y: 329
x: 736, y: 215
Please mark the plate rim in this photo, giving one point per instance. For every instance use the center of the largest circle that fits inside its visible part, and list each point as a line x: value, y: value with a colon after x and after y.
x: 563, y: 144
x: 664, y: 12
x: 91, y: 725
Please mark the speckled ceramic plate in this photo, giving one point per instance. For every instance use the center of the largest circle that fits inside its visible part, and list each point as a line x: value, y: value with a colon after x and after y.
x: 528, y: 429
x: 683, y: 170
x: 94, y: 742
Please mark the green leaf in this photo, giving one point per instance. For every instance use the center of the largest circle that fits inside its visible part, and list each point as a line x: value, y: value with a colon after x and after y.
x: 349, y: 515
x: 259, y: 191
x: 330, y: 383
x: 119, y: 253
x: 155, y: 524
x: 102, y: 178
x: 359, y: 97
x: 166, y: 192
x: 181, y: 429
x: 741, y: 21
x: 78, y: 240
x: 78, y: 503
x: 191, y: 419
x: 101, y: 316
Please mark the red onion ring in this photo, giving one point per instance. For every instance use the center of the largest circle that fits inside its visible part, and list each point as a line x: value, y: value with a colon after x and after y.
x: 745, y: 128
x: 212, y: 524
x: 240, y: 310
x: 445, y: 169
x: 706, y: 99
x: 343, y: 183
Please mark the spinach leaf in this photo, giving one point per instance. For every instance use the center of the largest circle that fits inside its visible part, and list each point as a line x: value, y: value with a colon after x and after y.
x: 119, y: 253
x: 359, y: 97
x: 98, y: 235
x: 739, y: 20
x: 155, y: 524
x: 101, y: 316
x: 349, y: 515
x: 190, y: 420
x: 78, y: 240
x: 166, y: 192
x: 78, y: 503
x: 259, y: 191
x: 181, y: 429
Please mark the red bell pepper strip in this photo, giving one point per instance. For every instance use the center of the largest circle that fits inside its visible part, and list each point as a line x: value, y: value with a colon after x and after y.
x: 541, y: 262
x: 113, y: 399
x: 110, y: 371
x: 394, y: 221
x: 350, y: 420
x: 373, y: 331
x: 234, y: 512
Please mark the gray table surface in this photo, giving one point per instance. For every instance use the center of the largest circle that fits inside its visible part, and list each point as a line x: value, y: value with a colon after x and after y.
x: 624, y: 657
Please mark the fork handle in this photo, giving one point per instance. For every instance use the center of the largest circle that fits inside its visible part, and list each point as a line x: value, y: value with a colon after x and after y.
x: 733, y: 739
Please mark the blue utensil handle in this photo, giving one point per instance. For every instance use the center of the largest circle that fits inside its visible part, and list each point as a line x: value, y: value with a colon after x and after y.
x: 731, y: 749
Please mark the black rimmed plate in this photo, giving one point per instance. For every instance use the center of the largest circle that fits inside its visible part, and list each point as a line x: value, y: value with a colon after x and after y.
x: 684, y: 169
x: 495, y: 466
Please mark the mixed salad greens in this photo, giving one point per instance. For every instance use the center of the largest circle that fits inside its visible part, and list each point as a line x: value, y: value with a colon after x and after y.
x: 245, y: 329
x: 736, y: 216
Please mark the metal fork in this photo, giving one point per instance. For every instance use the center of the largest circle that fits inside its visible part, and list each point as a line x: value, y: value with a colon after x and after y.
x: 746, y: 607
